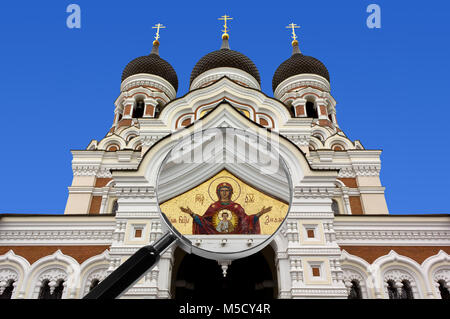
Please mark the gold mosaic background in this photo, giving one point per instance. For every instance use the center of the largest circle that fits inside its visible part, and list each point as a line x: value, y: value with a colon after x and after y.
x: 201, y: 197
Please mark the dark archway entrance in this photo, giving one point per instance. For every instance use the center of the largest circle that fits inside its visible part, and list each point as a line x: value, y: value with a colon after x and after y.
x: 197, y: 278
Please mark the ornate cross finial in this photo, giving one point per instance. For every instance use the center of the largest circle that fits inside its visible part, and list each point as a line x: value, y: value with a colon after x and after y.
x: 225, y: 28
x: 157, y: 27
x: 293, y: 26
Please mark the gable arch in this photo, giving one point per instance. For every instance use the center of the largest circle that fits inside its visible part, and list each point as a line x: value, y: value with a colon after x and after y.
x: 356, y: 268
x: 111, y: 140
x: 398, y: 267
x: 14, y: 267
x: 218, y: 91
x: 223, y: 115
x: 57, y: 266
x: 93, y: 268
x: 436, y: 268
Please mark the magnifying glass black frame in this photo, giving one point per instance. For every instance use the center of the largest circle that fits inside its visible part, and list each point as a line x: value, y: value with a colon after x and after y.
x: 128, y: 273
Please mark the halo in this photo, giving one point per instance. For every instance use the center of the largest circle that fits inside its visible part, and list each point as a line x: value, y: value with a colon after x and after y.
x: 224, y: 179
x: 218, y: 218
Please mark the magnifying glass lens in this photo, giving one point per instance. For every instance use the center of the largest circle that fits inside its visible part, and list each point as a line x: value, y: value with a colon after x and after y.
x: 225, y: 191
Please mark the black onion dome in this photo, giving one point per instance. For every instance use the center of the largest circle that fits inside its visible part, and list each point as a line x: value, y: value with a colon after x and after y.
x: 152, y: 64
x: 225, y: 57
x: 298, y: 64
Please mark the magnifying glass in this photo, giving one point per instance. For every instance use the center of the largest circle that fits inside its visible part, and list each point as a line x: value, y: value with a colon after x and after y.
x: 222, y: 193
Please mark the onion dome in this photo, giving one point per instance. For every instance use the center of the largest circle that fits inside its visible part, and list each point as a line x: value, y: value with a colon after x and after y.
x: 225, y: 58
x: 298, y: 64
x: 152, y: 64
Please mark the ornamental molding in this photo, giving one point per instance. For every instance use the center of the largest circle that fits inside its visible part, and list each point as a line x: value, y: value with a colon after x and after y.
x: 91, y: 170
x: 149, y: 140
x: 314, y: 251
x: 301, y: 192
x: 323, y: 292
x: 396, y: 236
x: 303, y: 80
x: 233, y: 74
x: 312, y: 215
x: 148, y: 80
x: 140, y: 215
x: 299, y: 140
x: 56, y: 233
x: 146, y: 291
x: 362, y: 170
x: 136, y: 192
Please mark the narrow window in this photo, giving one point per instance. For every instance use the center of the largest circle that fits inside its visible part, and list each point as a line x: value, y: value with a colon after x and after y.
x: 94, y: 284
x: 115, y: 207
x: 310, y: 112
x: 335, y: 207
x: 445, y: 294
x: 8, y: 290
x: 392, y: 291
x: 139, y: 109
x: 45, y: 292
x: 355, y: 291
x: 406, y: 290
x: 57, y: 293
x: 310, y: 233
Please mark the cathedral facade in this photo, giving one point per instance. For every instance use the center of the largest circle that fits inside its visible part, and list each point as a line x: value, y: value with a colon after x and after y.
x: 337, y: 241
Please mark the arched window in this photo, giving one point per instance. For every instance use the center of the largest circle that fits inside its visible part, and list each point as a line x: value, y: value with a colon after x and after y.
x: 94, y: 284
x: 115, y: 207
x: 335, y: 207
x: 318, y: 136
x: 158, y: 108
x: 355, y: 291
x: 139, y: 109
x: 46, y: 293
x: 310, y: 111
x: 112, y: 148
x: 445, y: 294
x: 406, y: 290
x: 337, y: 147
x: 392, y: 291
x: 8, y: 290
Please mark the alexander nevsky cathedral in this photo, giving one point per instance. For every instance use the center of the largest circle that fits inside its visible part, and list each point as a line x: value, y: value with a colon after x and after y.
x: 337, y: 240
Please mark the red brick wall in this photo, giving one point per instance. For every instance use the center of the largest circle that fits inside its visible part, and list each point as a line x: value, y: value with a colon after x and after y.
x: 355, y: 205
x: 417, y: 253
x: 96, y: 202
x: 33, y: 253
x: 102, y: 181
x: 349, y: 182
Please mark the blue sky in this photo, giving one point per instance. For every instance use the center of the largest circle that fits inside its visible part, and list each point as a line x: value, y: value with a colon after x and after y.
x: 58, y: 85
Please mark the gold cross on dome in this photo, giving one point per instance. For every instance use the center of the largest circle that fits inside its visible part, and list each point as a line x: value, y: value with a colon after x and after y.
x: 293, y: 26
x: 225, y: 18
x: 157, y: 27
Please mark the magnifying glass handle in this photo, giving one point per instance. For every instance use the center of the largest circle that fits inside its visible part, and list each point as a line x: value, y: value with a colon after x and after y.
x: 131, y: 270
